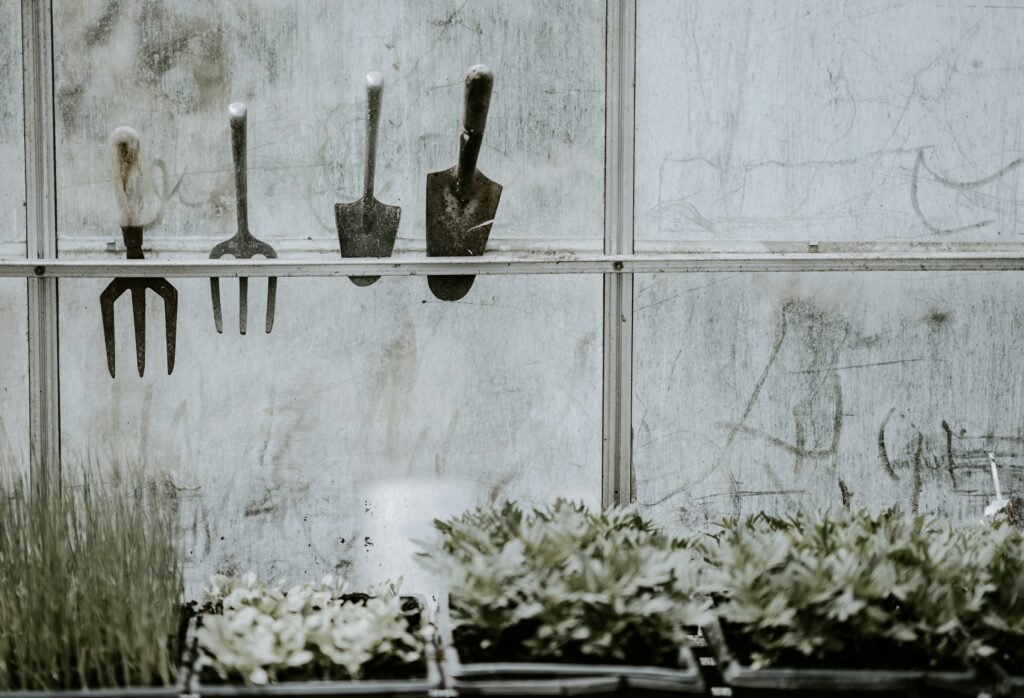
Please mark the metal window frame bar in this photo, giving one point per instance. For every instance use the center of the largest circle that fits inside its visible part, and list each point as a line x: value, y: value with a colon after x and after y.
x: 623, y: 265
x: 41, y: 239
x: 620, y: 133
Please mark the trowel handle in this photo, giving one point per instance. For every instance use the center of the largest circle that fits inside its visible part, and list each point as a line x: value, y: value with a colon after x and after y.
x: 479, y: 81
x: 124, y: 144
x: 374, y: 90
x: 237, y: 111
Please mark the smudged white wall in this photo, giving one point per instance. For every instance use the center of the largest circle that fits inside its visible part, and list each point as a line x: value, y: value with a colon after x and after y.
x: 862, y: 124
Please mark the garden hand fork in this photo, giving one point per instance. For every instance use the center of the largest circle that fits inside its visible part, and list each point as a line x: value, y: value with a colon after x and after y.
x: 128, y: 189
x: 243, y: 245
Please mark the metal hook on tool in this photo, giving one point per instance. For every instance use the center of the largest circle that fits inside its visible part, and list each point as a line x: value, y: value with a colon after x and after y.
x: 367, y: 228
x: 461, y: 201
x: 242, y: 245
x: 128, y: 190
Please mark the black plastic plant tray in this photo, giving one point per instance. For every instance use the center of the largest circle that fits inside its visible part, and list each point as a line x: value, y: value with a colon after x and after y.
x: 559, y: 678
x: 814, y: 681
x: 379, y: 688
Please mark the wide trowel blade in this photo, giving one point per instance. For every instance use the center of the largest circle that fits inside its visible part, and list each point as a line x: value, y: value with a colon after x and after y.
x: 366, y: 228
x: 458, y: 228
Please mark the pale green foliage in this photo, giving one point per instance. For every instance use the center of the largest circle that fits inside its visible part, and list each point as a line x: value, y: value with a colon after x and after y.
x: 993, y: 568
x: 566, y: 584
x: 848, y: 588
x: 90, y: 585
x: 258, y: 631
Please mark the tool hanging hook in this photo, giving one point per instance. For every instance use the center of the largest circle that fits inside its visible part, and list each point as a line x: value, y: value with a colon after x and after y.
x: 368, y: 228
x: 128, y: 192
x: 243, y: 245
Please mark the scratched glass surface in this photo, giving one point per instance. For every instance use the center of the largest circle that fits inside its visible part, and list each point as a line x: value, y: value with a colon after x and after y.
x: 873, y: 122
x: 272, y: 443
x: 12, y: 135
x: 14, y: 425
x: 170, y: 70
x: 876, y: 389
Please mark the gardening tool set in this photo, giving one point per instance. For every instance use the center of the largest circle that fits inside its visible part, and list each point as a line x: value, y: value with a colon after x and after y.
x: 461, y: 204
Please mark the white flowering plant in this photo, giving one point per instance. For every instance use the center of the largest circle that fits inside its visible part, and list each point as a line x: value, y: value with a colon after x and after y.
x: 261, y: 633
x: 564, y: 584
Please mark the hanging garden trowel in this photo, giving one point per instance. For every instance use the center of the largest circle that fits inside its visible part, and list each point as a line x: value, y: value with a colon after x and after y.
x: 461, y: 202
x: 367, y: 228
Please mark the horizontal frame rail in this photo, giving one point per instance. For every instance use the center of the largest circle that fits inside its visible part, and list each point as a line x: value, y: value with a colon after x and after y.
x: 659, y: 263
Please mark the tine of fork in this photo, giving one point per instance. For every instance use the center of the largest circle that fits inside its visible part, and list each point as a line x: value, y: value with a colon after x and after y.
x: 139, y: 318
x: 271, y: 301
x: 107, y: 309
x: 218, y: 320
x: 170, y: 296
x: 243, y: 303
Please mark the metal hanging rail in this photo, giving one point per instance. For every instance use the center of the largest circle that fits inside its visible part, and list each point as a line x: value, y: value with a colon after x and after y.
x: 497, y: 264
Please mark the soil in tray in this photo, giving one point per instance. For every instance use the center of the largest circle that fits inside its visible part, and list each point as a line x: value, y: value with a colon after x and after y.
x: 879, y: 658
x: 509, y: 647
x: 381, y: 669
x: 858, y: 655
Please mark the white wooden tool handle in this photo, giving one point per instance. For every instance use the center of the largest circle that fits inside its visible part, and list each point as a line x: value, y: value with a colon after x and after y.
x: 374, y: 90
x: 124, y: 143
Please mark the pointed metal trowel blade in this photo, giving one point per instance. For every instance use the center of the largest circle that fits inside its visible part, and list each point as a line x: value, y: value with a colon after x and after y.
x: 458, y: 228
x: 366, y: 228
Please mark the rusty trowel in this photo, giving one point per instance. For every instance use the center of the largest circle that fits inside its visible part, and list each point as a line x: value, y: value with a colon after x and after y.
x: 367, y: 228
x: 461, y: 202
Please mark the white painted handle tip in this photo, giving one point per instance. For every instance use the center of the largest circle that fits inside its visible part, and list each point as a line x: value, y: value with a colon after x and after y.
x: 374, y: 81
x: 125, y: 145
x: 237, y: 110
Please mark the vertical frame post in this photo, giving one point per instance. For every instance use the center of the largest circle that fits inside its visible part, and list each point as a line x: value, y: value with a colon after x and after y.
x: 620, y: 93
x: 41, y: 239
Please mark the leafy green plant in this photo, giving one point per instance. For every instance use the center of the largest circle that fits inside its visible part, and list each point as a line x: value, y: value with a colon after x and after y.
x: 565, y: 584
x: 90, y: 586
x: 993, y: 566
x: 846, y: 590
x: 260, y: 633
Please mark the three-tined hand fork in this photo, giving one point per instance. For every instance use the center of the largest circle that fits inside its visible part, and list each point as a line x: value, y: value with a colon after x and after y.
x: 243, y: 245
x: 128, y: 189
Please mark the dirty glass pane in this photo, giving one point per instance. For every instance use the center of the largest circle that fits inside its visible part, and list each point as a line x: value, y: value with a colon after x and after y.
x: 270, y: 442
x: 770, y: 392
x: 170, y: 70
x: 13, y: 302
x: 782, y: 120
x: 14, y: 429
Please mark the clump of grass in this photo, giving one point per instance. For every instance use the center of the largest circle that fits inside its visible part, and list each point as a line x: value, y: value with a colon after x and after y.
x: 90, y: 586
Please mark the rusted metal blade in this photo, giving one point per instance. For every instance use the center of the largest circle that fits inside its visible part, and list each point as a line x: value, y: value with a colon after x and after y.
x: 169, y: 294
x: 139, y: 321
x: 243, y: 304
x: 107, y: 298
x: 367, y: 228
x: 457, y: 226
x: 218, y: 319
x: 271, y: 302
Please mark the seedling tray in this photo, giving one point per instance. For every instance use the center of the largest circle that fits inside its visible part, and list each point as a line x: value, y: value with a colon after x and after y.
x: 380, y: 688
x: 560, y: 678
x: 770, y: 681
